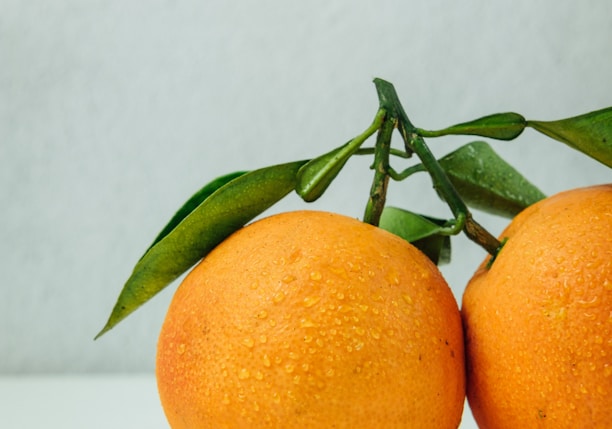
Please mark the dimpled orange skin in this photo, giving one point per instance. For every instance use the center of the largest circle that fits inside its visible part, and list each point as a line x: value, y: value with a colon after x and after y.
x: 312, y: 320
x: 539, y: 322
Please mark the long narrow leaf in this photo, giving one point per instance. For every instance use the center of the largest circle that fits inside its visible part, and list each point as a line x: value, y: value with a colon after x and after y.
x: 193, y: 202
x: 590, y: 133
x: 218, y: 216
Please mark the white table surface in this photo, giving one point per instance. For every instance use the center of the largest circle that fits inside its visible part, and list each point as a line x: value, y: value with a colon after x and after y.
x: 80, y: 401
x: 88, y: 402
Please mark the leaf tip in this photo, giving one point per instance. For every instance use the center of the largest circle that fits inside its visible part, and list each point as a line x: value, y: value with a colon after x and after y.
x: 119, y: 313
x: 104, y: 330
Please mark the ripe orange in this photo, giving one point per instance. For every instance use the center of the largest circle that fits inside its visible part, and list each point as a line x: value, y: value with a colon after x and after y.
x: 539, y: 321
x: 311, y: 320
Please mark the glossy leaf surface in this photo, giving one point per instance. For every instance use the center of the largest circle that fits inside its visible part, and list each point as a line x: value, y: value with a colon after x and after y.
x: 223, y: 212
x: 317, y: 174
x: 193, y: 202
x: 436, y: 247
x: 590, y: 133
x: 500, y: 126
x: 422, y: 231
x: 488, y: 183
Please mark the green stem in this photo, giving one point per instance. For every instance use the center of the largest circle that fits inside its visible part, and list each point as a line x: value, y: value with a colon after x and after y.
x: 429, y: 133
x: 440, y: 180
x: 372, y: 151
x: 376, y: 124
x: 378, y: 191
x: 389, y: 101
x: 401, y: 175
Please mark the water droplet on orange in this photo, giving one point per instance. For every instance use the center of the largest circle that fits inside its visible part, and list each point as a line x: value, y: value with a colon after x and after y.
x: 309, y: 301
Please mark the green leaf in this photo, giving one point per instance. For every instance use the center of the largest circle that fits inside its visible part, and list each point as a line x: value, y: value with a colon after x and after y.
x: 193, y: 202
x: 488, y: 183
x: 408, y: 225
x: 500, y: 126
x: 436, y: 247
x: 317, y: 174
x: 425, y: 233
x: 590, y: 133
x: 224, y: 211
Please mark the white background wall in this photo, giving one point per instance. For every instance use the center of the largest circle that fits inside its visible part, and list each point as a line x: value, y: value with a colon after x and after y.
x: 113, y: 112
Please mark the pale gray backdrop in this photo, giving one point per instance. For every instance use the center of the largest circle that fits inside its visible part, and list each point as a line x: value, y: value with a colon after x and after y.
x: 113, y: 112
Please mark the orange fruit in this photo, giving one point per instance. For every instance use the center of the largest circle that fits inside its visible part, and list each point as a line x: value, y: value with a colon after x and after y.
x: 310, y: 320
x: 538, y: 323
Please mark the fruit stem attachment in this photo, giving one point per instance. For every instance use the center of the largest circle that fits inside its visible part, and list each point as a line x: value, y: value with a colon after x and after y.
x: 414, y: 143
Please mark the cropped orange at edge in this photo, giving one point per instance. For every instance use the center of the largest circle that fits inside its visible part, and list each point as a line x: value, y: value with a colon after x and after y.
x: 539, y: 321
x: 311, y: 319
